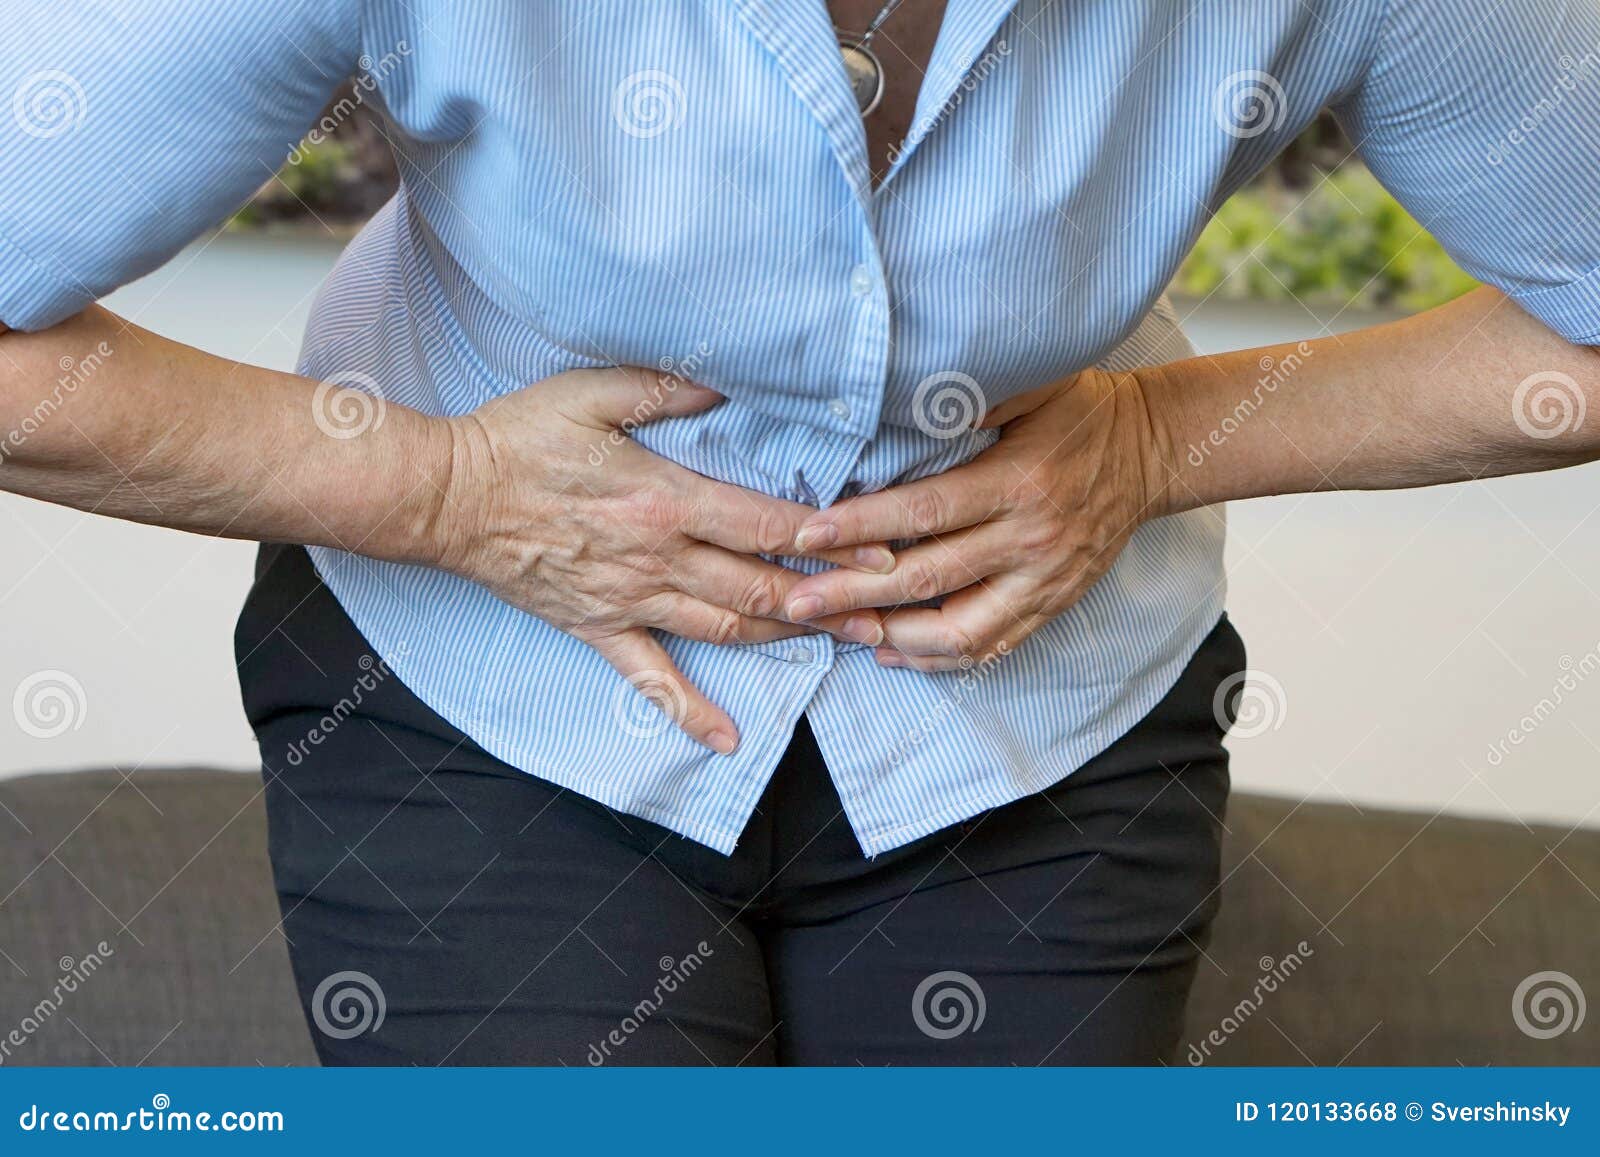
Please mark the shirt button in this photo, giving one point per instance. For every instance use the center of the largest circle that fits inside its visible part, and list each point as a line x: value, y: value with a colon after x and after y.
x: 799, y: 655
x: 840, y: 409
x: 861, y: 280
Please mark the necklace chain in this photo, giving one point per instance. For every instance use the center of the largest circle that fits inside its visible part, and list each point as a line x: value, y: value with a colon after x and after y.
x: 877, y: 21
x: 862, y: 67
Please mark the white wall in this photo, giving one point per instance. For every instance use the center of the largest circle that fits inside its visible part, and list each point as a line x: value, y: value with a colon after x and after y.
x: 142, y: 618
x: 1408, y: 632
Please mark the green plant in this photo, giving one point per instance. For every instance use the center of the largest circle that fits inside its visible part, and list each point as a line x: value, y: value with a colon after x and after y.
x: 315, y: 179
x: 1346, y: 241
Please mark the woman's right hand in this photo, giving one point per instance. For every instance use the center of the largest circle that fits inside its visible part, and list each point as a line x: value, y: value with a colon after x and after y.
x: 553, y: 508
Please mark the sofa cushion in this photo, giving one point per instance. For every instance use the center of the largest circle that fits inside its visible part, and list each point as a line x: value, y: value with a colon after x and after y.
x: 138, y: 924
x: 1418, y: 932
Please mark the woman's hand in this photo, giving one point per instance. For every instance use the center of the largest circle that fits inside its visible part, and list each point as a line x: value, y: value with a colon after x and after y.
x: 1011, y: 539
x: 554, y: 509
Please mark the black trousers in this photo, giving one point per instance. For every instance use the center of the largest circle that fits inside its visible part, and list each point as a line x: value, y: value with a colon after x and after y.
x: 442, y: 907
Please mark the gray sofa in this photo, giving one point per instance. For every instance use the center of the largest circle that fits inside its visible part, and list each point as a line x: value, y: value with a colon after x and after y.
x: 138, y: 926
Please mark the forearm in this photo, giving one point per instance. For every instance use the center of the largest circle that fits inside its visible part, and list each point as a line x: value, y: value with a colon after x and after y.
x: 1431, y: 399
x: 116, y: 420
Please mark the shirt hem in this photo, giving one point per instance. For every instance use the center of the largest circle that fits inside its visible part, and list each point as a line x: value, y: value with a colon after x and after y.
x: 1571, y: 309
x: 1100, y: 740
x: 28, y: 307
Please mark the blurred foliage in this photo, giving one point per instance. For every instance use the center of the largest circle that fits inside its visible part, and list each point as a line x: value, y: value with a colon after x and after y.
x: 335, y: 178
x: 312, y: 182
x: 1343, y: 241
x: 1297, y: 232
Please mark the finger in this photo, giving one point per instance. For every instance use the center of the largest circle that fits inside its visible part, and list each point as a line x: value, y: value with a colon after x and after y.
x: 968, y: 624
x: 1021, y: 404
x: 705, y: 622
x: 754, y: 523
x: 924, y: 571
x: 620, y: 397
x: 645, y: 664
x: 958, y: 498
x: 760, y: 590
x: 740, y: 582
x: 874, y: 558
x: 709, y: 623
x: 972, y: 628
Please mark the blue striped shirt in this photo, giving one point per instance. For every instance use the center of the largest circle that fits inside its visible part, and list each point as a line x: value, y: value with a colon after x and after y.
x: 684, y: 183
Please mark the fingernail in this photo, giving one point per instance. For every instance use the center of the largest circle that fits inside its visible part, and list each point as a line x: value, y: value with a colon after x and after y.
x: 816, y: 537
x: 721, y: 742
x: 805, y: 607
x: 890, y: 659
x: 861, y: 629
x: 877, y: 559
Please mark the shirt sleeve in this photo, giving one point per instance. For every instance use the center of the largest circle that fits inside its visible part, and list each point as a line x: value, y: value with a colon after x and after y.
x: 127, y: 127
x: 1482, y: 117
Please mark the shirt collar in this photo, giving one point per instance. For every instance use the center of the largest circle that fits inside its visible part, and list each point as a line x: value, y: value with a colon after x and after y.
x: 801, y: 38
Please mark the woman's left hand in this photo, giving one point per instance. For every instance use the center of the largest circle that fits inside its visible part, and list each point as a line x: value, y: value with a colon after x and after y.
x: 1012, y: 538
